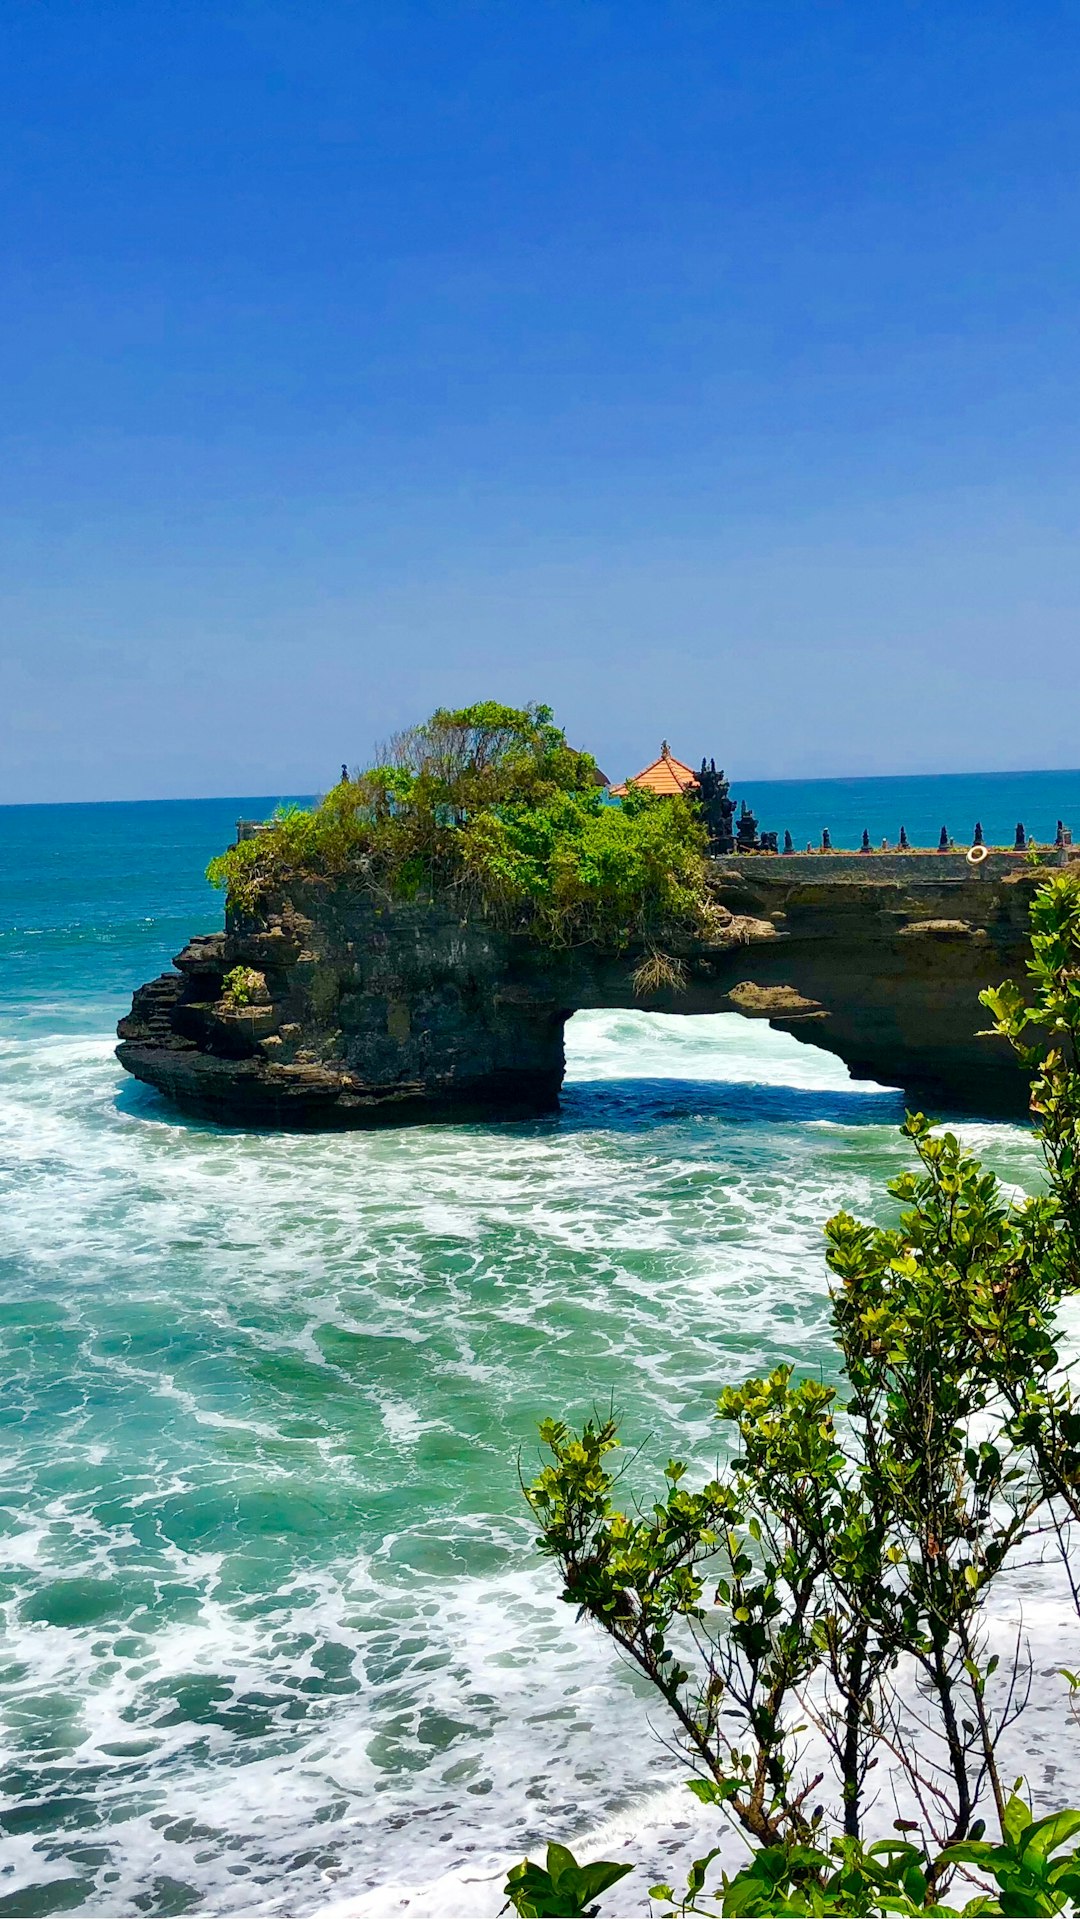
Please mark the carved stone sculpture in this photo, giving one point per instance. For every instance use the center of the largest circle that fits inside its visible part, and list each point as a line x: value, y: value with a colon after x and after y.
x: 718, y: 808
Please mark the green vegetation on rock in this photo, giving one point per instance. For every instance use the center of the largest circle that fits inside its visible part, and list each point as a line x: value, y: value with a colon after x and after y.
x: 241, y: 984
x: 490, y: 806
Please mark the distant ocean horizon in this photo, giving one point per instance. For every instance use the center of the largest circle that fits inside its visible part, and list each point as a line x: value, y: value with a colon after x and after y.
x: 921, y: 803
x: 844, y: 804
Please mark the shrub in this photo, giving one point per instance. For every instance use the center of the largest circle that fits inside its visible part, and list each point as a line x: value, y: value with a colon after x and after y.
x: 849, y: 1548
x: 561, y: 1889
x: 241, y: 984
x: 490, y: 806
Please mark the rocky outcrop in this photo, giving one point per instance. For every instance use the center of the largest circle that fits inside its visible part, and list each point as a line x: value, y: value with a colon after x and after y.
x: 338, y: 1007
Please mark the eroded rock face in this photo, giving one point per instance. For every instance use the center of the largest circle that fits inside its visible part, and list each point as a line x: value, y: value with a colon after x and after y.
x: 370, y: 1011
x: 356, y: 1010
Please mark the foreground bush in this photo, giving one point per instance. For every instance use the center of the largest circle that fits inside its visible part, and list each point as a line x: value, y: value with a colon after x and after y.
x: 834, y: 1580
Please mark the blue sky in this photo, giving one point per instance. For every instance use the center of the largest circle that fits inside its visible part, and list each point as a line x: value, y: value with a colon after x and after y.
x: 705, y: 370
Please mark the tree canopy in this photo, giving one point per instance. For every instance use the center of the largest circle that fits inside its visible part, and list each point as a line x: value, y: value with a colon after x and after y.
x: 489, y: 805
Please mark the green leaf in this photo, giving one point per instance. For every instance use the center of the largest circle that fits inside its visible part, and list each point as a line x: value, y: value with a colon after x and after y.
x: 978, y: 1852
x: 560, y: 1862
x: 1018, y: 1903
x: 713, y: 1792
x: 1046, y: 1835
x: 596, y: 1878
x: 1015, y: 1820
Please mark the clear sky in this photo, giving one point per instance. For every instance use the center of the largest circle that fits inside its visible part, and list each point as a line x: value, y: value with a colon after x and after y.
x: 707, y: 370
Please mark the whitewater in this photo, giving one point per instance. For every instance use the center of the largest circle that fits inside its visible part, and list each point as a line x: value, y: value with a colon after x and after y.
x: 276, y: 1637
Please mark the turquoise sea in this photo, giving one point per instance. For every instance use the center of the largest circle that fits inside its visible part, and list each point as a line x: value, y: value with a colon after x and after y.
x: 274, y: 1632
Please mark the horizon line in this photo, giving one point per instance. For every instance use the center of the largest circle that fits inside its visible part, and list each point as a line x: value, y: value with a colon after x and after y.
x: 788, y: 779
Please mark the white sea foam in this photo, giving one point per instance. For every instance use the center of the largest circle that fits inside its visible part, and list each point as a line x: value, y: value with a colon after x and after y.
x: 275, y: 1630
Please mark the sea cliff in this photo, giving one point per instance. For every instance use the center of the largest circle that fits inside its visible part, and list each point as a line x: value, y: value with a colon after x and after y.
x: 333, y: 1004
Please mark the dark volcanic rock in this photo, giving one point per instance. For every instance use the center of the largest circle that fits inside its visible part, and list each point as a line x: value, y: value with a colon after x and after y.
x: 359, y: 1010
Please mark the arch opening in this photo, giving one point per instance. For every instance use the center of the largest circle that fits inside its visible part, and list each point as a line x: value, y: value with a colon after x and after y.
x: 711, y: 1062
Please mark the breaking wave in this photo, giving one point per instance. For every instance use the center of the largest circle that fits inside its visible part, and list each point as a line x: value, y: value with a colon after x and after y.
x: 275, y: 1634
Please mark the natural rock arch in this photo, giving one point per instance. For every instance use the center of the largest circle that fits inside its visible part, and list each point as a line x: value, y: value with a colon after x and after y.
x: 359, y: 1010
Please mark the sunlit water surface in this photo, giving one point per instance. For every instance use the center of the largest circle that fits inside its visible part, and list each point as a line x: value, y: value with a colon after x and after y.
x: 274, y: 1628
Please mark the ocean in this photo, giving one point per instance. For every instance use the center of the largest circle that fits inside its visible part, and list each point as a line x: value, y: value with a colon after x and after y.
x: 276, y: 1637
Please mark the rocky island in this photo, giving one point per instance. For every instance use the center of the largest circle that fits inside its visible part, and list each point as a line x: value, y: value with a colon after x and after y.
x: 416, y: 952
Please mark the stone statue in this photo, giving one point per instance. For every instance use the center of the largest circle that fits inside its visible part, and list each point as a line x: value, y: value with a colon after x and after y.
x: 789, y: 844
x: 746, y: 839
x: 865, y: 847
x: 943, y: 843
x: 1020, y: 842
x: 977, y: 839
x: 718, y: 808
x: 726, y: 834
x: 904, y: 845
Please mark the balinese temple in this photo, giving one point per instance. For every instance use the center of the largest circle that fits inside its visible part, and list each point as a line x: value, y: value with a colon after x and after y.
x: 669, y: 776
x: 665, y: 775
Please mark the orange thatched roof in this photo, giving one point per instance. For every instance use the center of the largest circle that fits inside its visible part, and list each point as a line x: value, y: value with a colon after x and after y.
x: 665, y: 775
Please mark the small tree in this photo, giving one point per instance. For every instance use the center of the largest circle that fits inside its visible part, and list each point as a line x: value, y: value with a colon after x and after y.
x: 488, y: 807
x: 830, y: 1586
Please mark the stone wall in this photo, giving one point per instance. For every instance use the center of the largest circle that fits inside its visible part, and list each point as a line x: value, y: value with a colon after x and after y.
x: 919, y: 864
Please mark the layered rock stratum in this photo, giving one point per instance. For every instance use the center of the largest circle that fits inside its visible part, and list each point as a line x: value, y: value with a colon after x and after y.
x: 356, y: 1009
